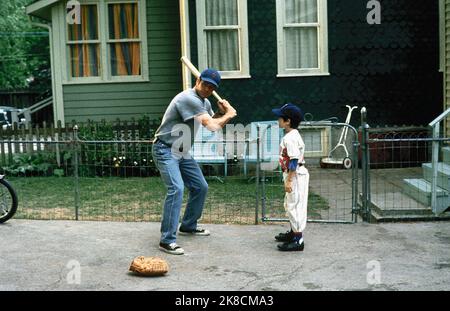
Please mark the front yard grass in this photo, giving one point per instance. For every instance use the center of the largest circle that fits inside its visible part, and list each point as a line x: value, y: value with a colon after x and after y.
x: 141, y: 199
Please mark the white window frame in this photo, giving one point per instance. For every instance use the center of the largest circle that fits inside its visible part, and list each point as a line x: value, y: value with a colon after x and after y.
x: 103, y: 38
x: 322, y: 41
x: 324, y: 132
x: 242, y: 28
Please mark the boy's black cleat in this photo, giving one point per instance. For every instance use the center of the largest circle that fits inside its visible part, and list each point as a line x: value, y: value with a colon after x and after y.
x: 291, y: 246
x: 285, y: 237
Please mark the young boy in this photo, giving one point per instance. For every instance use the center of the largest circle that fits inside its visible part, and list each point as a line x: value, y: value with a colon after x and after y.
x: 295, y: 177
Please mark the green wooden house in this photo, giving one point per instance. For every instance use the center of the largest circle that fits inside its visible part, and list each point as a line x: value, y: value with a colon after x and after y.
x: 121, y: 58
x: 120, y: 61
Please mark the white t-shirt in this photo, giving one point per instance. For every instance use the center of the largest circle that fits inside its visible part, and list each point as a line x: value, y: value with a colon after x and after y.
x: 291, y: 147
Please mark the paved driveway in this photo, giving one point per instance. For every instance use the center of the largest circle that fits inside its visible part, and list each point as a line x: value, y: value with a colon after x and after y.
x: 47, y: 255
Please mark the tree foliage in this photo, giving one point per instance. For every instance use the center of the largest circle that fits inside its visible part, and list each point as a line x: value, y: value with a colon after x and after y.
x: 24, y: 49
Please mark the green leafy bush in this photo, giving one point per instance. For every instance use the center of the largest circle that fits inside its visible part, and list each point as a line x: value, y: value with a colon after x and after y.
x: 43, y: 163
x: 117, y: 159
x: 103, y: 149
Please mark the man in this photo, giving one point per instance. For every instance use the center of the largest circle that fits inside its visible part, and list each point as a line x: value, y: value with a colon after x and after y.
x: 177, y: 168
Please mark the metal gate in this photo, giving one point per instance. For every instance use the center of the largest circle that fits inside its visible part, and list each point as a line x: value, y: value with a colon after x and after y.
x: 333, y: 189
x: 405, y: 172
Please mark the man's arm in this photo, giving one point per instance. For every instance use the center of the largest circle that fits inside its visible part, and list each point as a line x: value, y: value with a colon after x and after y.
x: 218, y: 114
x: 221, y: 112
x: 214, y: 124
x: 220, y: 119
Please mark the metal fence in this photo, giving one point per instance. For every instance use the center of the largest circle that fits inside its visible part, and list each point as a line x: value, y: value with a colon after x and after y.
x: 65, y: 177
x: 398, y: 173
x: 394, y: 174
x: 60, y: 176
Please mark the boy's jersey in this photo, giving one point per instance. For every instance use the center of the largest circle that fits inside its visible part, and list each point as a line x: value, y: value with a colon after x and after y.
x: 291, y: 147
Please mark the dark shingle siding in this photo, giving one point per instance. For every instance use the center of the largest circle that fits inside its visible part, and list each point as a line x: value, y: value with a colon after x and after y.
x: 391, y: 68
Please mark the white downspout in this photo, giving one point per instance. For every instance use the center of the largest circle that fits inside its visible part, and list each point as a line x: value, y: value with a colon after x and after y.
x: 185, y: 43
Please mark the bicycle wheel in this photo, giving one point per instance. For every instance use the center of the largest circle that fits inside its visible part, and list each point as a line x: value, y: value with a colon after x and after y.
x: 8, y: 201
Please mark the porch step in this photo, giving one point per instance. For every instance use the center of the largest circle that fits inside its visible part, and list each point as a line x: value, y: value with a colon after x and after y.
x: 377, y: 218
x: 420, y: 190
x: 397, y: 206
x: 443, y: 177
x: 446, y: 154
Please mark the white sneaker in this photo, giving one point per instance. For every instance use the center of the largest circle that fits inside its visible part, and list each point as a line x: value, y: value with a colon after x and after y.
x: 171, y: 248
x: 197, y: 231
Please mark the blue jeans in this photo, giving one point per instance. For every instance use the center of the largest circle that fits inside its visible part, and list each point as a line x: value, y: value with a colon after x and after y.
x: 177, y: 172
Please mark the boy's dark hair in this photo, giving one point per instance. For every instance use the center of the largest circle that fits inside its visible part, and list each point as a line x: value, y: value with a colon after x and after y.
x: 295, y: 122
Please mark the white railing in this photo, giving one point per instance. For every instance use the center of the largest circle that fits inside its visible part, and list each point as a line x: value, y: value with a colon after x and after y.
x: 435, y: 124
x: 29, y: 110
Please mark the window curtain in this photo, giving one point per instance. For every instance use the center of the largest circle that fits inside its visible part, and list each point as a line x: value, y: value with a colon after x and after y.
x: 301, y: 41
x: 222, y: 45
x: 124, y: 24
x: 85, y: 57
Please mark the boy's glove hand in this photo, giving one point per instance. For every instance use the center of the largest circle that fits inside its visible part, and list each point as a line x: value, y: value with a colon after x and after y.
x: 288, y: 186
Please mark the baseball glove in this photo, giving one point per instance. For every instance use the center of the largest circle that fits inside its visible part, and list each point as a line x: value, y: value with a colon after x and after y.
x: 149, y: 266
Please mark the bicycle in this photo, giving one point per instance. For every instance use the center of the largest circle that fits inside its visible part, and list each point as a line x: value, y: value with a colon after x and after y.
x: 8, y: 200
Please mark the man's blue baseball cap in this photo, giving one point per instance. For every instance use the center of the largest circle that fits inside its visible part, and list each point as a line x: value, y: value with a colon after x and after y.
x: 212, y: 76
x: 290, y: 111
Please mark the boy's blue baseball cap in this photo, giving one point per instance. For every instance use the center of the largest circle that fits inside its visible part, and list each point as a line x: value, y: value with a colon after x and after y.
x: 290, y: 111
x: 212, y: 76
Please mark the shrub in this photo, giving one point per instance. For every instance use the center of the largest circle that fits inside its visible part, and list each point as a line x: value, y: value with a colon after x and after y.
x: 43, y: 163
x: 117, y: 159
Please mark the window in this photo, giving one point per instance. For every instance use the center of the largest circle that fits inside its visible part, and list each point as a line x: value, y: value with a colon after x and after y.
x: 109, y: 43
x: 124, y: 43
x: 223, y: 37
x: 316, y: 140
x: 302, y: 37
x: 84, y: 44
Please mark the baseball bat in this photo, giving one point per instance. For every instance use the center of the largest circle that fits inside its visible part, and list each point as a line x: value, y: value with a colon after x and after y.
x: 196, y: 73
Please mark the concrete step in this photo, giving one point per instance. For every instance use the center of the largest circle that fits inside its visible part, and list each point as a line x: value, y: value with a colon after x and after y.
x: 378, y: 218
x: 443, y: 177
x: 446, y: 155
x: 416, y: 212
x: 420, y: 190
x: 389, y: 201
x: 397, y: 203
x: 398, y: 207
